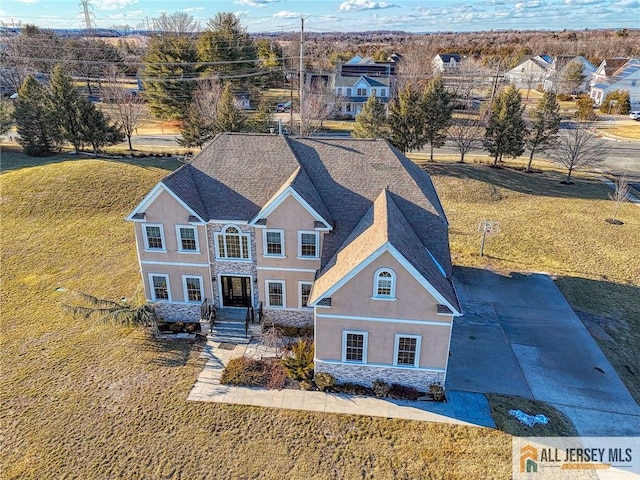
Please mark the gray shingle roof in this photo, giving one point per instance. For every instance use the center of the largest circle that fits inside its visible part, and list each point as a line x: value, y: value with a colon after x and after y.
x: 237, y: 174
x: 383, y: 223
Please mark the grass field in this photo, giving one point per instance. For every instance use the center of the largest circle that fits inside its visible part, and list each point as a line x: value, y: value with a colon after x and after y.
x: 630, y: 131
x: 86, y: 400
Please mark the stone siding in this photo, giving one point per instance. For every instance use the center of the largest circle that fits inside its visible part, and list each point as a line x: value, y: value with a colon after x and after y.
x: 366, y: 375
x: 288, y: 318
x: 178, y: 312
x: 231, y: 268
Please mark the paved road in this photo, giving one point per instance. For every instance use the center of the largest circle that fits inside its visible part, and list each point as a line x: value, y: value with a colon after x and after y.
x: 519, y: 336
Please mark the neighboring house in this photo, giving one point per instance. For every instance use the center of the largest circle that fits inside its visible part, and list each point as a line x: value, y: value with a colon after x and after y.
x: 529, y: 72
x: 556, y: 74
x: 625, y: 77
x: 360, y: 78
x: 445, y: 62
x: 344, y: 234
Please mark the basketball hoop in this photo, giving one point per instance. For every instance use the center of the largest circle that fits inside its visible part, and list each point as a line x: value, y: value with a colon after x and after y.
x: 487, y: 227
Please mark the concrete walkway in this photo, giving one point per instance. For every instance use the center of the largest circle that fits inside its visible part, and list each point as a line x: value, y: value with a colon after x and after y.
x: 464, y: 408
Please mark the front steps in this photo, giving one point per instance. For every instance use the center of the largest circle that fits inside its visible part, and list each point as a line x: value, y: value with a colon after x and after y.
x: 229, y: 327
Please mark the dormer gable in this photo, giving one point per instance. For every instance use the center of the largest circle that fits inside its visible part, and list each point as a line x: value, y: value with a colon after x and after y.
x: 299, y: 187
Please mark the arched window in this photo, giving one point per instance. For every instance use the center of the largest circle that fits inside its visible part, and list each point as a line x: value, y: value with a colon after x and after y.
x: 384, y: 284
x: 232, y: 243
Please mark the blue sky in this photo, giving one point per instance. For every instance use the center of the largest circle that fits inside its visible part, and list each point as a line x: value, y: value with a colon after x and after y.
x: 342, y: 15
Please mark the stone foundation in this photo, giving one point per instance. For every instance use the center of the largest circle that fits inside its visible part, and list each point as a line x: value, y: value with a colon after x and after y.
x: 178, y: 312
x: 289, y: 318
x: 366, y: 375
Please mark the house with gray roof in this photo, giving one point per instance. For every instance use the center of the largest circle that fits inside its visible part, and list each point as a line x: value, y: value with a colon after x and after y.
x: 446, y: 62
x: 530, y: 72
x: 617, y: 74
x: 345, y: 235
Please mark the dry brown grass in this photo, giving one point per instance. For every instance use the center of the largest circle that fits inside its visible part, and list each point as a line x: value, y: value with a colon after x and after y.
x: 629, y: 131
x: 86, y: 400
x: 558, y: 229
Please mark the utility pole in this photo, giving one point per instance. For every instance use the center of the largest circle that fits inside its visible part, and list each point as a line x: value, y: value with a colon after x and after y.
x: 301, y: 66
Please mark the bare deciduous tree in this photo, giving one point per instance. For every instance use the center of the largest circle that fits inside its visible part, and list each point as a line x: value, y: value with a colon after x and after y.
x: 178, y: 22
x: 467, y: 134
x: 578, y: 147
x: 319, y: 103
x: 126, y: 107
x: 619, y: 195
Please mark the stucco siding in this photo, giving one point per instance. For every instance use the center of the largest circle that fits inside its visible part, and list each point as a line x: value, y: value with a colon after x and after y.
x: 166, y: 211
x: 291, y: 279
x: 291, y: 217
x: 175, y: 273
x: 412, y: 300
x: 434, y: 344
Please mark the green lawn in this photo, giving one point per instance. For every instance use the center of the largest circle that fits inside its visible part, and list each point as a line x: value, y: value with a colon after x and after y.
x: 85, y: 400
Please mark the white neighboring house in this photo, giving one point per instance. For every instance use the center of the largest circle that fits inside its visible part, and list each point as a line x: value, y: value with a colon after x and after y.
x: 529, y: 72
x: 554, y: 79
x: 625, y: 77
x: 445, y: 62
x: 356, y: 91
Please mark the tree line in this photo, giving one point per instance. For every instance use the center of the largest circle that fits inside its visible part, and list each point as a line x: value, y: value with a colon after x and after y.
x: 417, y: 118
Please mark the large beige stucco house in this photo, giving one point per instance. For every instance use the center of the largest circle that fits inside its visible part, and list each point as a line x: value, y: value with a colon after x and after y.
x: 344, y: 234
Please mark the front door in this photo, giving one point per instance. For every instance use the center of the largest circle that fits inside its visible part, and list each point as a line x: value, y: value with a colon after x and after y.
x: 236, y: 291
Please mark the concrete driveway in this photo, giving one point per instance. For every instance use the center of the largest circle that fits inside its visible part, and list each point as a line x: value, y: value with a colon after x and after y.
x: 519, y: 336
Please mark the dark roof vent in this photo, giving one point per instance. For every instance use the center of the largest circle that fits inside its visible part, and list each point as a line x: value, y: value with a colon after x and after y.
x: 261, y: 221
x: 325, y: 302
x: 139, y: 216
x: 444, y: 310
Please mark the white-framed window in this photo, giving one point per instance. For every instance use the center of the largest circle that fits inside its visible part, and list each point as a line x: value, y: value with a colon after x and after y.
x: 348, y: 92
x: 276, y: 293
x: 192, y: 287
x: 159, y: 286
x: 153, y: 234
x: 232, y: 243
x: 273, y: 243
x: 339, y: 91
x: 187, y: 236
x: 308, y: 244
x: 374, y: 92
x: 384, y: 284
x: 354, y: 346
x: 304, y: 290
x: 383, y: 92
x: 361, y: 92
x: 406, y: 352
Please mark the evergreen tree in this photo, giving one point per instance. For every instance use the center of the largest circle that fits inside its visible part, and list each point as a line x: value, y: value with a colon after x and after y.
x: 68, y: 104
x: 585, y: 109
x: 371, y: 122
x: 195, y: 130
x: 544, y: 121
x: 262, y: 121
x: 230, y: 118
x: 6, y: 117
x: 270, y: 55
x: 36, y: 120
x: 406, y: 120
x: 572, y: 76
x: 170, y: 66
x: 225, y: 40
x: 96, y: 130
x: 437, y: 110
x: 506, y: 127
x: 616, y: 101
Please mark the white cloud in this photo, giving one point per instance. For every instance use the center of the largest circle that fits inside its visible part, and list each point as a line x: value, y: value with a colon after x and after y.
x: 113, y: 4
x: 360, y: 5
x: 255, y: 3
x: 287, y: 14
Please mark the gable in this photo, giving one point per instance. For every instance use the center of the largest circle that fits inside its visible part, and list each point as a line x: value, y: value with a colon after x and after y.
x: 290, y: 214
x: 161, y: 203
x: 412, y: 299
